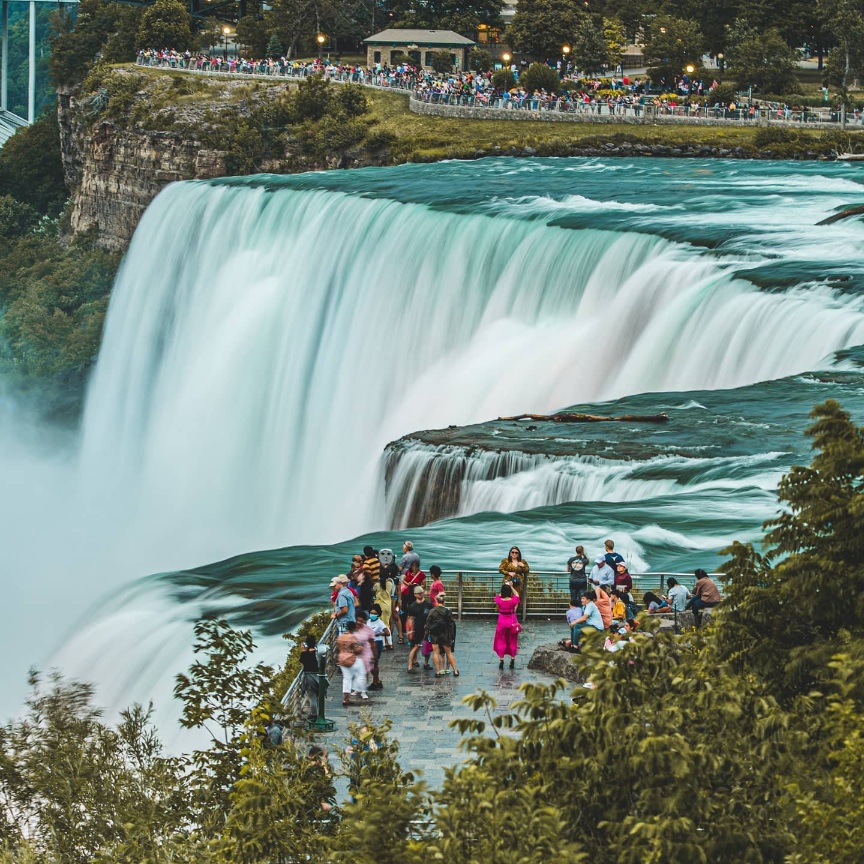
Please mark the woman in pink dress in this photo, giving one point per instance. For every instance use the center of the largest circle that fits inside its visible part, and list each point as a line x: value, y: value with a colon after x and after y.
x: 506, y: 632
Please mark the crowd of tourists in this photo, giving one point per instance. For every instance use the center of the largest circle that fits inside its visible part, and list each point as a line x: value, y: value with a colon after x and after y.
x: 618, y: 95
x: 381, y: 603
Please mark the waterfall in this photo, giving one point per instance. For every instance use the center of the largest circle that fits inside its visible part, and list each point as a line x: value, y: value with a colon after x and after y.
x: 424, y: 483
x: 265, y: 342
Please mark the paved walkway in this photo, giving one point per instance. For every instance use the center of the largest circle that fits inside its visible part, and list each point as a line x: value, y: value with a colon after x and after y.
x: 421, y: 706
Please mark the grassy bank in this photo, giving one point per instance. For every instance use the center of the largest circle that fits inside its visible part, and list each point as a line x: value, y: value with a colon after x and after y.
x: 425, y: 138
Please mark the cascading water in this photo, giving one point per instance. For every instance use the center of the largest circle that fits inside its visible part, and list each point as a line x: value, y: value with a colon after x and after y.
x: 268, y: 337
x: 265, y: 342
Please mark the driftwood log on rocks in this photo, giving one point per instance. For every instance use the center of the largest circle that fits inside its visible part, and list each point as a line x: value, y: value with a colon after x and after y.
x: 592, y: 418
x: 852, y: 211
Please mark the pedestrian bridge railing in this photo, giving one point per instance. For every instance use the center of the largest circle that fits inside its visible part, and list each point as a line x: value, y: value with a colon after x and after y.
x: 546, y: 594
x: 293, y: 698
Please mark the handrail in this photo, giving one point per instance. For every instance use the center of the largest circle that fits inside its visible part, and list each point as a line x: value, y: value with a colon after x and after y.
x: 433, y: 93
x: 291, y: 698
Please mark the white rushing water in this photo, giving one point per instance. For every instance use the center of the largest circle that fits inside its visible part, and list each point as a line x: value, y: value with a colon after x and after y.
x: 266, y: 341
x: 263, y: 346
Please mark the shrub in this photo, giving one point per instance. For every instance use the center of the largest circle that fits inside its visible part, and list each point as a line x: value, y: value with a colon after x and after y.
x: 773, y: 135
x: 480, y: 60
x: 442, y: 62
x: 397, y: 58
x: 723, y: 93
x: 311, y: 100
x: 504, y: 79
x: 539, y: 77
x: 351, y: 99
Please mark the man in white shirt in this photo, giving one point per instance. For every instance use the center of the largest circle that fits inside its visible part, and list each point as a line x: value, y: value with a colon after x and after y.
x: 601, y: 573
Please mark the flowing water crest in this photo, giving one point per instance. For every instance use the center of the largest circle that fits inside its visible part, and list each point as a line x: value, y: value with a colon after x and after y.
x: 276, y: 347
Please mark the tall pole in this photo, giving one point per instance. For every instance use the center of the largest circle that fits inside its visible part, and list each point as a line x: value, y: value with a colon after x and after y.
x: 31, y: 78
x: 4, y: 59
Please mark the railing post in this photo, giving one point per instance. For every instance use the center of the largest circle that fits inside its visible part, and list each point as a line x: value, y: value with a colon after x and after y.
x: 459, y: 596
x: 31, y: 71
x: 4, y: 51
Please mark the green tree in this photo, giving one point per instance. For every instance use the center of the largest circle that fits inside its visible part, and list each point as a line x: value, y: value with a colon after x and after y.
x: 31, y: 169
x: 252, y: 34
x: 480, y: 60
x: 765, y: 61
x: 590, y: 49
x: 165, y: 24
x: 844, y: 20
x: 442, y: 62
x: 274, y: 46
x: 818, y: 544
x: 542, y: 27
x: 503, y: 79
x: 672, y: 43
x: 538, y: 76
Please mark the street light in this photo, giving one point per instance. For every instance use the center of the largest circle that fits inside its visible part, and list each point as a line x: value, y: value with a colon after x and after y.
x: 320, y: 40
x: 505, y: 57
x: 226, y: 32
x: 690, y: 68
x: 720, y: 62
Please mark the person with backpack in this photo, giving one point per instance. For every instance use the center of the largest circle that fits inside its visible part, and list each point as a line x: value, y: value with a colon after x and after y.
x: 441, y: 632
x: 577, y: 570
x: 350, y: 661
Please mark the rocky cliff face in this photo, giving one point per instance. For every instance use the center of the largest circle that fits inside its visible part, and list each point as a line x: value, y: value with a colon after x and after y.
x: 116, y: 172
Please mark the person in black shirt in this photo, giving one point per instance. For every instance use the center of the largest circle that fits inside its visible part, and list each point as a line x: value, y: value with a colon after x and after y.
x: 577, y: 569
x: 309, y: 682
x: 418, y: 612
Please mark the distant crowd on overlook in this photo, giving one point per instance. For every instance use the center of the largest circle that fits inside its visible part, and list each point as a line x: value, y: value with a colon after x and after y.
x: 619, y: 94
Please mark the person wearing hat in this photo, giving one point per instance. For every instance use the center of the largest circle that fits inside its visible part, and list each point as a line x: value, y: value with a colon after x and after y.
x: 418, y: 612
x: 344, y: 612
x: 602, y: 575
x: 577, y: 569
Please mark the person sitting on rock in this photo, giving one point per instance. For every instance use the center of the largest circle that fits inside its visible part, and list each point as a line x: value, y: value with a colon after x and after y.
x: 655, y: 604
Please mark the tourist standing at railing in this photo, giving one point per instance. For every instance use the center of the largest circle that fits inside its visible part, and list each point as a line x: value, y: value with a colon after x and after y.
x: 506, y: 641
x: 345, y: 605
x: 413, y: 578
x: 577, y: 570
x: 385, y: 591
x: 601, y: 573
x: 514, y: 568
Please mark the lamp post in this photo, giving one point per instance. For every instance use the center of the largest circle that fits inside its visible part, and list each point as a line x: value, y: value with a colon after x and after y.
x: 320, y: 40
x: 226, y: 32
x: 565, y: 52
x: 321, y: 723
x: 720, y: 61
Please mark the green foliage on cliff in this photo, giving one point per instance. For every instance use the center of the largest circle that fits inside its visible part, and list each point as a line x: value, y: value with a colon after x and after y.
x: 100, y: 30
x: 30, y: 166
x: 739, y: 743
x: 53, y: 297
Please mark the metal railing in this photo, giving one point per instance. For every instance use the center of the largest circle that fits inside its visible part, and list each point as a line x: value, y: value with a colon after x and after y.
x: 547, y: 592
x: 293, y: 698
x: 629, y: 109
